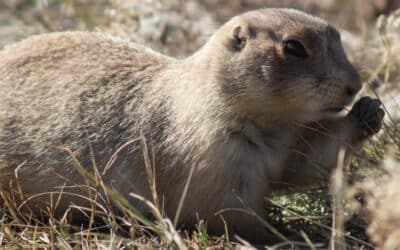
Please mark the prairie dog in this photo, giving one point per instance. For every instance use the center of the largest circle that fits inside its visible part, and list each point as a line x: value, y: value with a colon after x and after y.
x: 253, y: 111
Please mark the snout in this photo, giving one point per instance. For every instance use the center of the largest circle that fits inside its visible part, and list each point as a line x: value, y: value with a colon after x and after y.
x: 345, y: 83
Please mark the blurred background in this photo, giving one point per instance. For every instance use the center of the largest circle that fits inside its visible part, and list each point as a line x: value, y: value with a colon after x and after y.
x: 176, y: 27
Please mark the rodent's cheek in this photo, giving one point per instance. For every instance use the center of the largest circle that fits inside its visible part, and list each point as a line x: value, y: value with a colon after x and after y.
x: 298, y: 98
x: 332, y: 95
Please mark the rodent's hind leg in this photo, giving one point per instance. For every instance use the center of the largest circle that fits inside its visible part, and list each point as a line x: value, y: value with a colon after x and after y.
x: 244, y: 223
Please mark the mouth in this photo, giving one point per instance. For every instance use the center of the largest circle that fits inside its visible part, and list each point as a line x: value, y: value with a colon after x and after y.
x: 334, y: 109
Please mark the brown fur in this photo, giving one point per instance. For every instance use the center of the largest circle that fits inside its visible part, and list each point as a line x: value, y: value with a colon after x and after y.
x: 240, y: 112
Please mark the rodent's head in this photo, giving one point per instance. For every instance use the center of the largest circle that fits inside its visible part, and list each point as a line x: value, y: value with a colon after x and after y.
x: 283, y: 65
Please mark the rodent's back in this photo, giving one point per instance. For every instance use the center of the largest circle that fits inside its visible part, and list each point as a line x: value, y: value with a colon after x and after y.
x: 74, y: 63
x: 70, y: 89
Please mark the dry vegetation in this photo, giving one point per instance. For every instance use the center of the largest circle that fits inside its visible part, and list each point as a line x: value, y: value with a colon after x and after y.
x: 364, y: 210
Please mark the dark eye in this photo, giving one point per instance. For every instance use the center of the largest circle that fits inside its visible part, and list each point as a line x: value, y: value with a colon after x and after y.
x: 294, y: 48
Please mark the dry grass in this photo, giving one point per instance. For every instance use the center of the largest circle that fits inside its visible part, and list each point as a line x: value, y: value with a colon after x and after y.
x: 364, y: 210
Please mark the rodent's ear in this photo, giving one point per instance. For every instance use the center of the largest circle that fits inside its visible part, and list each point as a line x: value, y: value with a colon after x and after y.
x: 239, y: 37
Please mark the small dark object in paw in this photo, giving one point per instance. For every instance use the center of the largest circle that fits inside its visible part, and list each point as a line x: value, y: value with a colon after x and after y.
x: 369, y: 114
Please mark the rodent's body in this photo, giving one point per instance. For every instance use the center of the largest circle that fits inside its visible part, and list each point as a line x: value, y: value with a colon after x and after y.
x: 73, y: 92
x: 108, y: 100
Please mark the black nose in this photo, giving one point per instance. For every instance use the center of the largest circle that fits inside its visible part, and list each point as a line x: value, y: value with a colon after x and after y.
x: 351, y: 90
x: 354, y: 84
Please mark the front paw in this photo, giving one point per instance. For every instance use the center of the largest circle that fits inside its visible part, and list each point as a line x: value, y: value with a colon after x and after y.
x: 368, y: 115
